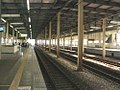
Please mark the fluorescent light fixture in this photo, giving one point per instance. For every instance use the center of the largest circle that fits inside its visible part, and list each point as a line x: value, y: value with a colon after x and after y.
x: 91, y: 30
x: 16, y: 23
x: 15, y: 29
x: 115, y: 22
x: 29, y: 19
x: 28, y: 5
x: 29, y: 26
x: 11, y: 26
x: 10, y: 15
x: 31, y: 34
x: 3, y: 20
x: 20, y: 27
x: 110, y: 26
x: 30, y: 29
x: 95, y: 27
x: 47, y: 1
x: 23, y: 35
x: 118, y: 28
x: 72, y: 9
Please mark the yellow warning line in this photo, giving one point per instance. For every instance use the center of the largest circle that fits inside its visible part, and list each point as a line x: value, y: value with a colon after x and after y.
x: 4, y: 85
x: 15, y: 83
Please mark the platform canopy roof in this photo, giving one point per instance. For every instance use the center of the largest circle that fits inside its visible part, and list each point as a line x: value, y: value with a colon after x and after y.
x: 32, y: 16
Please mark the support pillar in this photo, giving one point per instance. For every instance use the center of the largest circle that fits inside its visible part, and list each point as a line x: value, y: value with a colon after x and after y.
x: 16, y: 36
x: 13, y: 33
x: 100, y: 39
x: 55, y: 41
x: 93, y: 39
x: 4, y: 37
x: 58, y: 33
x: 88, y: 40
x: 45, y: 38
x: 0, y: 44
x: 68, y: 41
x: 7, y: 33
x: 50, y: 29
x: 52, y: 40
x: 0, y: 33
x: 60, y: 40
x: 64, y: 41
x: 80, y: 35
x: 71, y: 40
x: 104, y: 30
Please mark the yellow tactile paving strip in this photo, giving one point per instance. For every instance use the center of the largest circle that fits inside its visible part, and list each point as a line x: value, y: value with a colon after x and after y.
x: 15, y: 83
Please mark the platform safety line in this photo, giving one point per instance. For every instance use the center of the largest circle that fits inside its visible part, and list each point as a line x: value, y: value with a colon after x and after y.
x: 15, y: 83
x: 4, y: 85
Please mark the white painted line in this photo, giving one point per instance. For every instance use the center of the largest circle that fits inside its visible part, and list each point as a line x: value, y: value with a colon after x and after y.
x: 24, y: 88
x: 4, y: 85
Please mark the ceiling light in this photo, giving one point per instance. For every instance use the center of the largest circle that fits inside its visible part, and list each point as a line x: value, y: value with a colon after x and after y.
x: 95, y: 27
x: 20, y: 27
x: 3, y: 20
x: 15, y: 29
x: 110, y: 26
x: 47, y: 1
x: 91, y: 29
x: 73, y: 9
x: 10, y: 15
x: 29, y: 19
x: 23, y: 35
x: 11, y: 26
x: 28, y: 5
x: 115, y: 22
x: 29, y: 26
x: 16, y: 23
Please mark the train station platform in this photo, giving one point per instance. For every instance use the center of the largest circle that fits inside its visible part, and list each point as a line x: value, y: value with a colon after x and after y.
x: 20, y: 71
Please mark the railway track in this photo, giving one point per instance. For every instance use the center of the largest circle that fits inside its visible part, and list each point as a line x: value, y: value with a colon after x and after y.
x: 96, y: 68
x: 102, y: 60
x: 107, y: 61
x: 58, y: 77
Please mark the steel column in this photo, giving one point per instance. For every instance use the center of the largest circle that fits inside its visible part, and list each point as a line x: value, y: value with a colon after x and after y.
x: 64, y: 41
x: 71, y: 40
x: 87, y: 40
x: 52, y: 39
x: 13, y: 33
x: 45, y: 38
x: 100, y: 39
x: 80, y: 34
x: 58, y: 33
x: 16, y: 36
x: 0, y: 33
x: 55, y: 41
x: 50, y: 29
x: 104, y: 30
x: 7, y: 32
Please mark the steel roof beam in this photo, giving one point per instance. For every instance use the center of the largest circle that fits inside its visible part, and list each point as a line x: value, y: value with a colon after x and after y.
x: 102, y: 2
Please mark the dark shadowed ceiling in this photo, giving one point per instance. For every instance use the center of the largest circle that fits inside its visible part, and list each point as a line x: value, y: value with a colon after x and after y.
x: 43, y: 11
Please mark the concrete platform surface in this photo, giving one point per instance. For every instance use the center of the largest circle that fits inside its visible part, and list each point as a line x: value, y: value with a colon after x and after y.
x: 20, y: 71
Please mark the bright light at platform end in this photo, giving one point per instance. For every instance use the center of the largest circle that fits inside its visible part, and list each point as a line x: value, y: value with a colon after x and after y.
x: 31, y: 41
